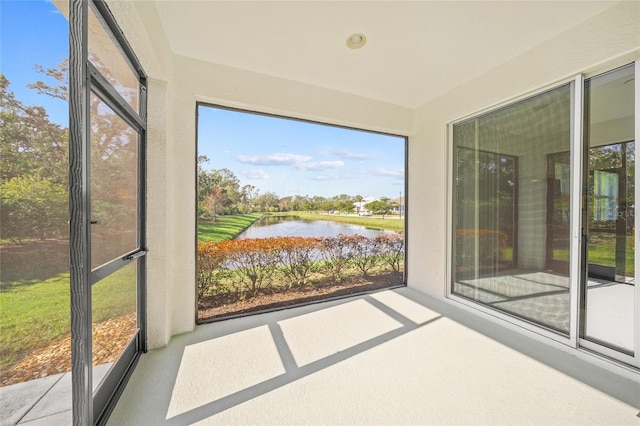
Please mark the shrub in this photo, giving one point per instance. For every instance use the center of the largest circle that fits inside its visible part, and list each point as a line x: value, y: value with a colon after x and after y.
x: 33, y: 207
x: 211, y: 271
x: 251, y: 262
x: 391, y: 249
x: 362, y: 252
x: 335, y: 253
x: 296, y: 257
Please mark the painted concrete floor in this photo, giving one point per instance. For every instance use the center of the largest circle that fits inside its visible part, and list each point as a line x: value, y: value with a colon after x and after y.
x: 45, y: 401
x: 393, y: 357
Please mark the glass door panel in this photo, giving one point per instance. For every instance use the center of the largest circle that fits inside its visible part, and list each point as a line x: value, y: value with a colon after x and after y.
x: 558, y: 218
x: 608, y: 286
x: 503, y: 217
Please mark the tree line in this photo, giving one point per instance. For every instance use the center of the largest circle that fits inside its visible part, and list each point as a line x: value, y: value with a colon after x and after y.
x: 34, y: 158
x: 220, y: 193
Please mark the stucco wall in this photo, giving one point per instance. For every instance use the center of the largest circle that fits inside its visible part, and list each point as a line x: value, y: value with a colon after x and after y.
x: 200, y: 81
x: 176, y: 83
x: 606, y: 41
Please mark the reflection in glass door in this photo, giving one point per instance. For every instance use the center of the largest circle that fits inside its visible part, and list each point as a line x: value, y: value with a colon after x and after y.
x: 558, y: 212
x: 607, y: 304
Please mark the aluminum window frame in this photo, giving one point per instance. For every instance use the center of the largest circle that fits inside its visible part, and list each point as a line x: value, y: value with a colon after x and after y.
x: 569, y: 339
x: 577, y: 240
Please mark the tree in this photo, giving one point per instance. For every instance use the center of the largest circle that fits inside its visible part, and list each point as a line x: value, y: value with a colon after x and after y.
x: 32, y: 207
x: 33, y: 175
x: 214, y: 200
x: 30, y: 143
x: 382, y: 206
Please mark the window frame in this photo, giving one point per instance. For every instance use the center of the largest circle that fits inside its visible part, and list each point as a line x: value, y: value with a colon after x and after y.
x: 578, y: 157
x: 570, y: 339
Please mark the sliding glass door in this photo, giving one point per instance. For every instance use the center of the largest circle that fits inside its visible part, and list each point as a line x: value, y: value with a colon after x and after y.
x: 543, y: 213
x: 502, y: 238
x: 608, y: 286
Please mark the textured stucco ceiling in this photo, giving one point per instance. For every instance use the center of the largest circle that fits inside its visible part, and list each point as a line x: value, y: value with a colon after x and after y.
x: 415, y: 51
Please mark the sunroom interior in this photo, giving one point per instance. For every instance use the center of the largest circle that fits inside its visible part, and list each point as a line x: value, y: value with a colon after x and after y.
x: 494, y: 98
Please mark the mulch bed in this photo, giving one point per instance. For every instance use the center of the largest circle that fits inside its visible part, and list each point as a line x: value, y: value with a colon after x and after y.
x: 109, y: 339
x: 223, y: 306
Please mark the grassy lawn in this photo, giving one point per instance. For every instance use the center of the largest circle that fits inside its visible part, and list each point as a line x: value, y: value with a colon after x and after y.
x: 37, y: 314
x: 371, y: 222
x: 225, y: 227
x: 602, y: 251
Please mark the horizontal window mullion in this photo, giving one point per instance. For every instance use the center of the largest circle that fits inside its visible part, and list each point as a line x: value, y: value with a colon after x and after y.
x: 105, y: 91
x: 110, y: 267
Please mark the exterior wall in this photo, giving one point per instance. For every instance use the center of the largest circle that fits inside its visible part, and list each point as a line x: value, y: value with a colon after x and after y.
x: 606, y: 41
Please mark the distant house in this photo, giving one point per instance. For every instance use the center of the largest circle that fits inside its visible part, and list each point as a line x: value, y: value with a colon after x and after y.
x: 359, y: 206
x: 398, y: 205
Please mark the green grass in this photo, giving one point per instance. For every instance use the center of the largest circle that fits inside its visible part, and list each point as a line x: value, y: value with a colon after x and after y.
x: 602, y: 251
x: 391, y: 223
x: 225, y: 227
x: 33, y: 316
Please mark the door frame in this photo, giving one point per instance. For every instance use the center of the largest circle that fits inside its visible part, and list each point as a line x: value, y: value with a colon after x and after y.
x: 584, y: 343
x: 89, y: 407
x: 577, y: 243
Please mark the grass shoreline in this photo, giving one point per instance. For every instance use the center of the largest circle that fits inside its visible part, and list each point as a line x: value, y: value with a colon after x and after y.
x: 390, y: 223
x: 225, y: 227
x: 228, y: 227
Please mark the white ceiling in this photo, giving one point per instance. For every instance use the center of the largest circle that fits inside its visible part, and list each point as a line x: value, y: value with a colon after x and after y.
x: 415, y: 51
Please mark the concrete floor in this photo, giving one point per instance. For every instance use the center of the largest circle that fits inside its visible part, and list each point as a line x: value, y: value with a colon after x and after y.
x: 45, y: 401
x: 393, y: 357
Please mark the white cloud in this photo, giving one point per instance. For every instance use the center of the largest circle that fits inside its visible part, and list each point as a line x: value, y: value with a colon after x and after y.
x: 277, y: 159
x: 325, y: 177
x: 255, y: 174
x: 397, y: 173
x: 349, y: 155
x: 320, y: 165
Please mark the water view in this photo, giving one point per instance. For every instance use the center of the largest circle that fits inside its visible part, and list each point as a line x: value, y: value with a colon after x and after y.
x: 291, y: 212
x: 295, y: 226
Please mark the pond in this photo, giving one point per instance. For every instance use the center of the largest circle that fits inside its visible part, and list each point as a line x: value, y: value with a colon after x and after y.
x: 294, y: 226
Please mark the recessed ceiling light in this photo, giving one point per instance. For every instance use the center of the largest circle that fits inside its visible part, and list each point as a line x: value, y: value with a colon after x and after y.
x: 356, y: 41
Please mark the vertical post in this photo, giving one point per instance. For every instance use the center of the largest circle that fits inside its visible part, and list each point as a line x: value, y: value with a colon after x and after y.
x: 578, y: 221
x: 80, y: 262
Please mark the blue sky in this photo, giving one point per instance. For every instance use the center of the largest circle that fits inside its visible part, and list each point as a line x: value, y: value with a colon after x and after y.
x: 33, y: 32
x: 283, y: 156
x: 291, y: 157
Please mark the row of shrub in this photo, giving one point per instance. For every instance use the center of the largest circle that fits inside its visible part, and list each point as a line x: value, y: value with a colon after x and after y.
x: 246, y: 266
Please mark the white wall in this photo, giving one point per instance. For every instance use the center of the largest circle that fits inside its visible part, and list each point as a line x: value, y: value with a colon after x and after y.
x: 205, y: 82
x: 176, y: 83
x: 606, y: 41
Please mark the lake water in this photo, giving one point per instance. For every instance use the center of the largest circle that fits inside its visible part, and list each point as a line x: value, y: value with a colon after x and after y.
x: 294, y: 226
